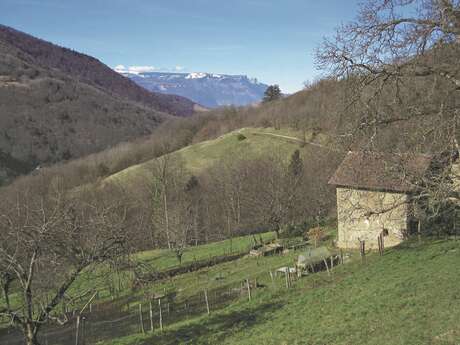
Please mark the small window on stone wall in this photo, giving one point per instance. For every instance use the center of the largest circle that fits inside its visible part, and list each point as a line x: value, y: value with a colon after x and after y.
x: 385, y: 232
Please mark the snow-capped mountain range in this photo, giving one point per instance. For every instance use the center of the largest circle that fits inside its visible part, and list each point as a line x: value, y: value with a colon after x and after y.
x: 208, y: 89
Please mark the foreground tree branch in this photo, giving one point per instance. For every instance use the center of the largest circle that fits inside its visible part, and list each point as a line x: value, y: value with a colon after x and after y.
x: 48, y: 237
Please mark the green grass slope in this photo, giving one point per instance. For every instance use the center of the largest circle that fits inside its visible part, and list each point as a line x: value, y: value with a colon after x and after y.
x: 164, y: 258
x: 159, y: 260
x: 203, y: 155
x: 409, y: 296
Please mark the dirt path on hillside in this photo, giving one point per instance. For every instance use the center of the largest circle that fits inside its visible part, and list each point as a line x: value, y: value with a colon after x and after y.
x: 297, y: 140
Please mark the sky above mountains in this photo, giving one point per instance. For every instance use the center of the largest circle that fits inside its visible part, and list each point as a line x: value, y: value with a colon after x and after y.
x: 271, y: 40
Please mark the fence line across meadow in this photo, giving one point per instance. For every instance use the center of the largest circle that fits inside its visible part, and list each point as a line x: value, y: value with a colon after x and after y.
x: 122, y: 318
x: 103, y: 325
x: 106, y: 324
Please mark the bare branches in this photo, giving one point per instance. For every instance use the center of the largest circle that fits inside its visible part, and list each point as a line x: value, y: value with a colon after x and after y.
x: 382, y: 41
x: 48, y: 238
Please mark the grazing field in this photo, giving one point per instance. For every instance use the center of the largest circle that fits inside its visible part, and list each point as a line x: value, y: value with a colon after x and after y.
x: 163, y: 258
x: 112, y: 283
x: 203, y: 155
x: 408, y: 296
x: 115, y: 312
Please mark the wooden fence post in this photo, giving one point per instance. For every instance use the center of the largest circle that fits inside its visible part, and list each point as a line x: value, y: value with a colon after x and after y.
x: 151, y: 315
x: 141, y: 320
x: 419, y: 232
x: 248, y: 285
x: 286, y: 278
x: 161, y: 315
x: 362, y: 249
x: 327, y: 267
x: 83, y: 319
x: 77, y: 330
x: 206, y: 300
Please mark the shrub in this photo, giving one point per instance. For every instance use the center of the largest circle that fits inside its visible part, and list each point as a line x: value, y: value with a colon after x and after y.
x: 316, y: 234
x: 292, y: 230
x: 240, y: 137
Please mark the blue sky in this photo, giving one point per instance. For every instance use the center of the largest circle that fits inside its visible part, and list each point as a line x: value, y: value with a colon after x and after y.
x: 272, y: 40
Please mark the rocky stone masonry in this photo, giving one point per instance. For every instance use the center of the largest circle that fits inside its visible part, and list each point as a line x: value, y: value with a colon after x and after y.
x: 364, y: 214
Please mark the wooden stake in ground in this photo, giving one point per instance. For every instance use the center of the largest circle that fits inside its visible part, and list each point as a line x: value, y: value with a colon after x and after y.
x: 151, y: 315
x: 206, y: 300
x: 419, y: 232
x: 248, y: 285
x: 286, y: 278
x: 327, y: 267
x: 77, y: 330
x: 362, y: 249
x: 141, y: 320
x: 161, y: 314
x: 83, y: 319
x: 272, y: 279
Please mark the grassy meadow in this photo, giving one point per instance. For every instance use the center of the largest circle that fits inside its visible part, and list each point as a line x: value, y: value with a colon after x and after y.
x: 201, y: 156
x: 109, y: 282
x: 408, y: 296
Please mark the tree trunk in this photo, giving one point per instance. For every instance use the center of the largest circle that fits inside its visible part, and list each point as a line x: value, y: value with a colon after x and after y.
x: 419, y: 232
x: 30, y: 334
x: 165, y: 201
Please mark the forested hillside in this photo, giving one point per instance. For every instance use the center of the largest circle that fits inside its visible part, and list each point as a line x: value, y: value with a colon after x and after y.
x: 57, y: 104
x: 91, y: 71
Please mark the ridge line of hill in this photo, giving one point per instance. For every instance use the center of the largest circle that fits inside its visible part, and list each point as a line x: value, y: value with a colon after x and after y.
x: 90, y: 70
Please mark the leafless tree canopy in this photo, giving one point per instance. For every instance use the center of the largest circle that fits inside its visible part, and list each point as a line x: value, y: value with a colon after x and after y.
x: 48, y: 237
x: 399, y: 59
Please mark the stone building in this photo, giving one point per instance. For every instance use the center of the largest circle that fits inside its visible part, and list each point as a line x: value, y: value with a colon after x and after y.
x: 374, y: 196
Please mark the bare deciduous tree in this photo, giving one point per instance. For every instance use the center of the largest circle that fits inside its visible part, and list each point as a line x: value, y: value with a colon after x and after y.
x: 399, y: 59
x: 48, y: 237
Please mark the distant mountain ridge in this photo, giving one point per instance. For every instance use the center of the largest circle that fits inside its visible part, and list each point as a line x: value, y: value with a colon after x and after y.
x: 208, y: 89
x: 91, y: 71
x: 56, y: 104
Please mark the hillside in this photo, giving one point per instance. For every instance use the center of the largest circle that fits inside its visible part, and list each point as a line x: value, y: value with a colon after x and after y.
x: 258, y: 142
x: 209, y: 90
x: 408, y: 296
x: 48, y: 115
x: 91, y: 71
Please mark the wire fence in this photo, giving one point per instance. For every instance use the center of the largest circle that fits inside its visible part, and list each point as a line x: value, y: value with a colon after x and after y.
x: 109, y: 323
x: 127, y: 316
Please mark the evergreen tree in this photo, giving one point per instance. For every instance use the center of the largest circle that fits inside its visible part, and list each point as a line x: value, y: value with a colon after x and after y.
x: 296, y: 164
x: 272, y: 93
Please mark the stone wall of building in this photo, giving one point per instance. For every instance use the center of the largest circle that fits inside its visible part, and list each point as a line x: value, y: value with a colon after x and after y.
x: 363, y: 215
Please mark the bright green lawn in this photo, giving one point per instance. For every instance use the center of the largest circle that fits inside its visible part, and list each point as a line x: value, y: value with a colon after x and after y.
x: 410, y: 296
